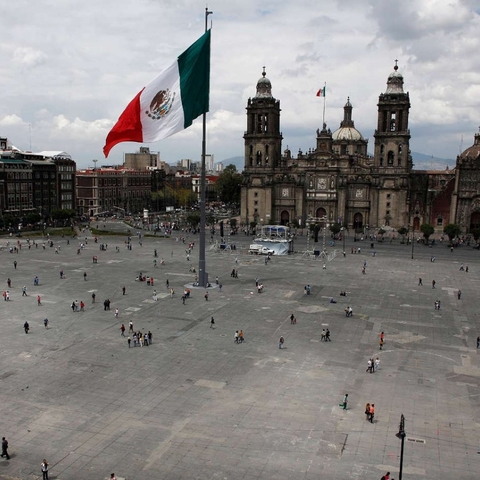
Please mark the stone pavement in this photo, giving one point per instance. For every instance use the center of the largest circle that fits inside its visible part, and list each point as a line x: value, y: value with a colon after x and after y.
x: 195, y: 405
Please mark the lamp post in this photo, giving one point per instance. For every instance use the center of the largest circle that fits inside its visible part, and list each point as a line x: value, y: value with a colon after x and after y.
x: 401, y: 435
x: 413, y: 239
x: 343, y: 238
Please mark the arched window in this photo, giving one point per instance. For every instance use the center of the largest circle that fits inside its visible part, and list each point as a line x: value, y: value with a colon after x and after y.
x: 259, y: 158
x: 390, y: 157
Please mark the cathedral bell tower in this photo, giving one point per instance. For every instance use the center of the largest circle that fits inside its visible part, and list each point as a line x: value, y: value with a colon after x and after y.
x: 392, y: 136
x: 263, y: 147
x: 392, y: 159
x: 263, y: 140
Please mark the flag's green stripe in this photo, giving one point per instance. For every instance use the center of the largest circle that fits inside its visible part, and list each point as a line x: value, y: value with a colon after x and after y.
x: 194, y: 70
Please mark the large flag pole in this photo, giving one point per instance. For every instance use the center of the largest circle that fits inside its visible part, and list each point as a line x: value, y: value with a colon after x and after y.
x: 202, y: 274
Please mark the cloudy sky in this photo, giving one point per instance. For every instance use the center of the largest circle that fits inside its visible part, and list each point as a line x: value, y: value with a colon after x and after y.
x: 70, y: 67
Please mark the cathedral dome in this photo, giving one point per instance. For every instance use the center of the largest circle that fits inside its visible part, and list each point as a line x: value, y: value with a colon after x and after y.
x: 474, y: 150
x: 347, y: 133
x: 264, y: 87
x: 347, y: 130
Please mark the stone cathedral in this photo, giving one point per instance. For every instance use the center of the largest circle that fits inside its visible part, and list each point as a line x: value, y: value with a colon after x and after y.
x: 337, y: 181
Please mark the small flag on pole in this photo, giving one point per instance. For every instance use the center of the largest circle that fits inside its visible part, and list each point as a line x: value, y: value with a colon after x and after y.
x: 321, y: 92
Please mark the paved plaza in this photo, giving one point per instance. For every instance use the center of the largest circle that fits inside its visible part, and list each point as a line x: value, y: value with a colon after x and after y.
x: 196, y: 405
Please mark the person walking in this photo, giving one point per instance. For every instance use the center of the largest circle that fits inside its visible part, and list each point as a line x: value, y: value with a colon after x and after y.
x: 344, y: 403
x: 327, y: 336
x: 433, y: 283
x: 39, y: 301
x: 369, y: 366
x: 130, y: 327
x: 235, y: 337
x: 372, y: 412
x: 292, y: 318
x: 15, y: 264
x: 116, y: 313
x: 85, y: 276
x: 124, y: 290
x: 206, y: 296
x: 24, y: 291
x: 155, y: 298
x: 367, y: 411
x: 241, y: 338
x: 459, y: 294
x: 5, y: 448
x: 45, y: 323
x: 122, y: 330
x: 26, y: 326
x: 45, y: 469
x: 281, y: 341
x: 377, y: 364
x: 420, y: 281
x: 129, y: 341
x: 212, y: 322
x: 93, y: 297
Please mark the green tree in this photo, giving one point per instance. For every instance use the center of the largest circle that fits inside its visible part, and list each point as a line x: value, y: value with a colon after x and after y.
x: 452, y: 230
x: 403, y: 231
x: 335, y: 228
x: 62, y: 214
x: 184, y: 197
x: 427, y: 230
x: 193, y: 219
x: 228, y: 185
x: 33, y: 218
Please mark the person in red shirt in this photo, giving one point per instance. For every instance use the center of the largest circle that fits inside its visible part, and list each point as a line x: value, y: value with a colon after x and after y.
x: 372, y: 414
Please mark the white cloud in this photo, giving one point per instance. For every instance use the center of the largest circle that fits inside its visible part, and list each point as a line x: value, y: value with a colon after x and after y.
x: 71, y: 79
x: 11, y: 120
x: 28, y: 57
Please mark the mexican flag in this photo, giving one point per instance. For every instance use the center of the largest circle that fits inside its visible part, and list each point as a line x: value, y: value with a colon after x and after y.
x: 169, y: 103
x: 321, y: 92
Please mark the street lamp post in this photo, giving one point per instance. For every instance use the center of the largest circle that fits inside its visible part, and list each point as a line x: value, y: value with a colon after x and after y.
x: 413, y: 239
x: 401, y: 435
x: 343, y: 238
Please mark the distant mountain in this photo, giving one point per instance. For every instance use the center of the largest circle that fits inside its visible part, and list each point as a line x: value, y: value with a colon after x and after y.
x: 420, y: 162
x: 429, y: 162
x: 239, y: 162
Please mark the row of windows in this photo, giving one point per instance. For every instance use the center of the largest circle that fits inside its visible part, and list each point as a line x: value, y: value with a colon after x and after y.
x: 19, y: 175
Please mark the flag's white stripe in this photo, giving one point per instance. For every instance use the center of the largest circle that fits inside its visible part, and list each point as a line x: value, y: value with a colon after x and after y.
x: 173, y: 121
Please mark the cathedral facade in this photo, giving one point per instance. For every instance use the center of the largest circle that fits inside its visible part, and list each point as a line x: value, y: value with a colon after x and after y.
x: 337, y: 181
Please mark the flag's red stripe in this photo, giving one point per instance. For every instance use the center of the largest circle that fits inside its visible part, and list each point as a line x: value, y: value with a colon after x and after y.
x: 128, y: 127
